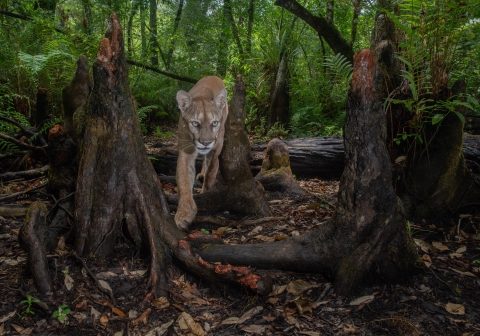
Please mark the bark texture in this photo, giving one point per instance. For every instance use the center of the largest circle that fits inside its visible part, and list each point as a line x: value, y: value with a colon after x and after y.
x: 33, y: 238
x: 76, y: 93
x: 116, y: 176
x: 367, y: 234
x: 235, y: 189
x: 276, y: 174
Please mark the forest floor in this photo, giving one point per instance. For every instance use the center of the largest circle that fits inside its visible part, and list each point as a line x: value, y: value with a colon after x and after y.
x: 443, y: 299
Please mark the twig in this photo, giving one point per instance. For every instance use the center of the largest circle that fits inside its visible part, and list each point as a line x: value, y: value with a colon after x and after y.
x: 102, y: 289
x: 22, y: 144
x: 24, y: 129
x: 142, y: 318
x: 325, y: 292
x: 57, y: 203
x: 19, y: 153
x: 443, y: 281
x: 23, y: 174
x: 228, y: 222
x: 20, y: 193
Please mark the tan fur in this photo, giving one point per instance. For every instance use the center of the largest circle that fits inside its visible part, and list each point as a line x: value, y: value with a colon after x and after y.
x: 201, y: 130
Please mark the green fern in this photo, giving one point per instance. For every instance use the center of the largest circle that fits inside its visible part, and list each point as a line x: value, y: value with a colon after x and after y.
x: 47, y: 125
x: 8, y: 147
x: 338, y: 67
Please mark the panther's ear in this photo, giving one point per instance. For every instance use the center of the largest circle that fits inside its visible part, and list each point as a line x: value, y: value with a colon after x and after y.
x: 220, y: 98
x: 184, y: 100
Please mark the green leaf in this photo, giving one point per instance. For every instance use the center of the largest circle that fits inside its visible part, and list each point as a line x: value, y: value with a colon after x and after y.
x: 460, y: 116
x: 437, y: 118
x: 55, y: 314
x: 205, y: 231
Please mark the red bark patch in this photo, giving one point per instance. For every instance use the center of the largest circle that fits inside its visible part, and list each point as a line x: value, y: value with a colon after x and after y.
x: 56, y: 132
x: 251, y: 280
x: 184, y: 245
x: 222, y: 269
x: 363, y: 74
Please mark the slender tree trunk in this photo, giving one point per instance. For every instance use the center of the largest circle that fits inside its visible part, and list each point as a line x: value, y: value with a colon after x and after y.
x: 222, y: 53
x: 88, y: 19
x: 279, y: 110
x: 143, y: 34
x: 330, y: 6
x: 173, y: 38
x: 356, y: 12
x: 251, y: 16
x: 229, y: 14
x: 154, y: 47
x: 133, y: 12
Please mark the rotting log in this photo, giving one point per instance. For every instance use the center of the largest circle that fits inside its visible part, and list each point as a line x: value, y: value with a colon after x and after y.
x: 116, y: 175
x: 276, y: 174
x: 33, y: 238
x: 321, y: 157
x: 367, y: 233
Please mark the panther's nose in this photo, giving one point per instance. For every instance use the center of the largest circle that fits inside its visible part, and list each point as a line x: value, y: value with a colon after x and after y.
x: 206, y: 143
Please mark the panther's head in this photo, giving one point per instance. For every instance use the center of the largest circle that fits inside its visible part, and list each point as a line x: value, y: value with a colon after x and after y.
x: 204, y: 116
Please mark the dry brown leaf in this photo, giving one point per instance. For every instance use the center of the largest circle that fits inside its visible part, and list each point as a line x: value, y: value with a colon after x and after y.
x: 424, y: 246
x: 349, y: 329
x: 68, y: 282
x: 265, y: 238
x: 309, y: 333
x: 79, y: 316
x: 455, y: 255
x: 161, y: 302
x: 271, y: 300
x: 81, y: 305
x: 118, y: 312
x: 104, y: 320
x: 7, y: 317
x: 427, y: 260
x: 281, y: 236
x: 187, y: 326
x: 297, y: 287
x: 231, y: 320
x: 255, y: 329
x: 27, y: 331
x: 249, y: 314
x: 461, y: 249
x: 220, y: 230
x: 95, y: 313
x: 464, y: 273
x: 302, y: 305
x: 17, y: 328
x: 105, y: 285
x: 159, y: 331
x: 440, y: 246
x: 362, y: 299
x: 291, y: 320
x: 269, y: 318
x: 277, y: 290
x: 255, y: 231
x: 455, y: 308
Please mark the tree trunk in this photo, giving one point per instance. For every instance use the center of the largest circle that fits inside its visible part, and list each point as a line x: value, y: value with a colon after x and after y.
x: 116, y: 175
x: 330, y: 6
x: 154, y: 47
x: 88, y: 19
x: 235, y: 188
x: 229, y: 14
x: 168, y: 61
x: 279, y: 110
x: 367, y: 234
x: 133, y: 12
x: 75, y: 94
x: 143, y: 34
x: 251, y: 16
x: 41, y: 109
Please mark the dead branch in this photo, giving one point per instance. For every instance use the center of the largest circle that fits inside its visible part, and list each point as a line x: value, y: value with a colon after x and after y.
x: 23, y: 174
x: 20, y: 193
x: 25, y: 129
x: 22, y: 144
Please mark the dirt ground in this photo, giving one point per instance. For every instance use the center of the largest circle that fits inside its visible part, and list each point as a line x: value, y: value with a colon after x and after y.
x: 443, y: 299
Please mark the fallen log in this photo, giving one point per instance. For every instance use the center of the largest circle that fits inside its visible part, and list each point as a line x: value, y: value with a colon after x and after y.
x: 320, y: 157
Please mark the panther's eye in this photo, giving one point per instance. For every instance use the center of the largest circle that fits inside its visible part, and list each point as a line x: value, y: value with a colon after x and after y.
x: 195, y: 123
x: 215, y: 123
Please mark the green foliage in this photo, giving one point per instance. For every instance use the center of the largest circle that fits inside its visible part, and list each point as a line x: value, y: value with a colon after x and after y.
x: 277, y: 131
x: 27, y: 310
x: 61, y: 313
x: 338, y: 68
x: 158, y: 132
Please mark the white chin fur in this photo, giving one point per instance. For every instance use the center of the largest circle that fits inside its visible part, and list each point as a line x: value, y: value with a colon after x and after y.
x: 203, y: 151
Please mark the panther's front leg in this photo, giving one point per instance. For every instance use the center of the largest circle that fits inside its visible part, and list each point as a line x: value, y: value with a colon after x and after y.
x: 187, y: 209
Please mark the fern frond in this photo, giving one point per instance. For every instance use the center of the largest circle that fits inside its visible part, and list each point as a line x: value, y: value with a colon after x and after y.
x: 8, y: 147
x: 338, y: 67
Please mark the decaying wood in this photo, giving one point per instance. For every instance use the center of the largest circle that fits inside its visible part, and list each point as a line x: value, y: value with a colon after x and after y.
x: 32, y: 238
x: 367, y: 233
x: 13, y: 210
x: 132, y: 203
x: 25, y: 174
x: 276, y: 174
x: 20, y: 193
x: 76, y: 93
